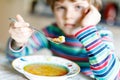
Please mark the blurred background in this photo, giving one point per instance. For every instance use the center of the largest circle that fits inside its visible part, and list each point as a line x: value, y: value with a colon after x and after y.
x: 38, y: 13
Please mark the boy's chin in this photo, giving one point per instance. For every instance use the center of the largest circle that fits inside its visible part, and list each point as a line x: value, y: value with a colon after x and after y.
x: 72, y: 31
x: 68, y: 32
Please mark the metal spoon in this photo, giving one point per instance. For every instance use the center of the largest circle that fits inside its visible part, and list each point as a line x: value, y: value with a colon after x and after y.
x: 34, y: 28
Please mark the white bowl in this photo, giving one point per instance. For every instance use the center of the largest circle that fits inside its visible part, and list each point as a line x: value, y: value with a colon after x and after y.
x: 19, y: 64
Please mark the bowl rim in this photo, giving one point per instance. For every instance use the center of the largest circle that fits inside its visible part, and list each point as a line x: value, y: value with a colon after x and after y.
x: 27, y: 73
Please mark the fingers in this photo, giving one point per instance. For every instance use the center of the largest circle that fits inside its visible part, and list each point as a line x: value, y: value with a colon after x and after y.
x: 19, y: 23
x: 93, y: 9
x: 19, y: 30
x: 19, y: 18
x: 20, y: 35
x: 92, y: 17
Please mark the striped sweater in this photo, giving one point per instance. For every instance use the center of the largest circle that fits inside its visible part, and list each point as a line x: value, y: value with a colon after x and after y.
x: 91, y: 48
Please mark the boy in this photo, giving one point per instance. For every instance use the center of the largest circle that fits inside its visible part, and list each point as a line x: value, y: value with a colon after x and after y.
x: 85, y: 44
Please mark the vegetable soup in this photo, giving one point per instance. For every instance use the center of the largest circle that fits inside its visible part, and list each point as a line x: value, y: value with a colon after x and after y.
x: 46, y: 69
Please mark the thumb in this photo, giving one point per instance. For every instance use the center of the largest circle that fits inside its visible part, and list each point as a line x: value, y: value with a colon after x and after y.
x: 19, y: 18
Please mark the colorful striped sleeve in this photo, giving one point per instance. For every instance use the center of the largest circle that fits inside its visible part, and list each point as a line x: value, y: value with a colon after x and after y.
x: 35, y: 43
x: 103, y: 63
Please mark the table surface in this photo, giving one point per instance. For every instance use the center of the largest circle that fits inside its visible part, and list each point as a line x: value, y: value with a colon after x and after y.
x: 8, y: 73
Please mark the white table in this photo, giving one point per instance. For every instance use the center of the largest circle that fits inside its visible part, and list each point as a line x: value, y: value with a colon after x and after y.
x: 8, y: 73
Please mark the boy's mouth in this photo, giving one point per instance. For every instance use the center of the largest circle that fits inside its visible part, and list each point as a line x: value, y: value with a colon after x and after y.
x: 69, y: 25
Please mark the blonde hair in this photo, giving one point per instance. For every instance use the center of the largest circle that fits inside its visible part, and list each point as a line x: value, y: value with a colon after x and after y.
x: 96, y: 3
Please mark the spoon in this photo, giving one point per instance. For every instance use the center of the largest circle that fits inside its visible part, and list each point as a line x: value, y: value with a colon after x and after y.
x: 60, y: 39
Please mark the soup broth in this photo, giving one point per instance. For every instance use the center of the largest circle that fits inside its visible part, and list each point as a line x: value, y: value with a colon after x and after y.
x: 46, y: 69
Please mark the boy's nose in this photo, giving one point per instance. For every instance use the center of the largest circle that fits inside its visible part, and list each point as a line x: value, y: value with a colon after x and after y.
x: 69, y: 14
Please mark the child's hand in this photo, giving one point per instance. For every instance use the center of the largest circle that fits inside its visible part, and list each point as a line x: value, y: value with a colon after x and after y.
x: 91, y: 17
x: 20, y: 31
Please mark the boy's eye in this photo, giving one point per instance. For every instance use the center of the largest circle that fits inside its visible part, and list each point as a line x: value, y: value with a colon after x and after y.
x: 78, y: 7
x: 60, y: 8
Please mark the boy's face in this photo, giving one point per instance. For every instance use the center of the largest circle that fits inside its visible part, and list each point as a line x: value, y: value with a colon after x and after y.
x: 69, y: 13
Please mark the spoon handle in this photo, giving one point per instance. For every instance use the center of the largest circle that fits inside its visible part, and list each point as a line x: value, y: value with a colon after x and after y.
x: 32, y: 27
